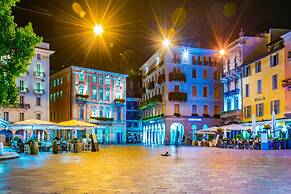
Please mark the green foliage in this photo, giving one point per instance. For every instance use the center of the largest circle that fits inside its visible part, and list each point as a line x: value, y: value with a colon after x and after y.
x: 17, y: 46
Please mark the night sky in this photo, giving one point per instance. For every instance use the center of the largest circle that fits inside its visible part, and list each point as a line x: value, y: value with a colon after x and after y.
x: 132, y: 27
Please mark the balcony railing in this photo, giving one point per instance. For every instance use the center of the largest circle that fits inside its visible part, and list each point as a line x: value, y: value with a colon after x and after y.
x: 176, y: 76
x: 286, y: 83
x: 24, y: 106
x: 39, y: 74
x: 151, y: 102
x: 232, y: 72
x: 39, y: 91
x: 230, y: 113
x: 231, y: 92
x: 177, y: 96
x: 103, y: 119
x: 23, y: 90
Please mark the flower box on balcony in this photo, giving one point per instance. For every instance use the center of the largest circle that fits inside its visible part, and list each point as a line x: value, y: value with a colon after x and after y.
x: 206, y: 115
x: 161, y: 78
x: 194, y: 115
x: 217, y: 116
x: 82, y: 95
x: 151, y: 85
x: 176, y: 76
x: 119, y: 101
x: 102, y: 118
x: 151, y: 102
x: 39, y: 91
x: 153, y: 117
x: 177, y: 114
x: 177, y: 96
x: 24, y: 106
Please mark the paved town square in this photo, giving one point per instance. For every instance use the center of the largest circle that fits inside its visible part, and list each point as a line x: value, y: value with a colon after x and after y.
x: 142, y: 169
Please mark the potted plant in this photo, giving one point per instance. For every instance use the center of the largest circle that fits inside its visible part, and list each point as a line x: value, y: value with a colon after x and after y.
x: 33, y: 145
x: 177, y: 114
x: 276, y: 144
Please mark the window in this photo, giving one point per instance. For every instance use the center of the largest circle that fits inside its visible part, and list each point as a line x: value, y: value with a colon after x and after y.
x: 38, y: 56
x: 193, y: 60
x: 21, y: 99
x: 216, y: 110
x: 54, y: 83
x: 215, y: 91
x: 6, y: 116
x: 177, y: 88
x: 194, y: 73
x: 21, y: 84
x: 177, y: 108
x: 205, y: 74
x: 61, y: 94
x: 275, y: 106
x: 94, y: 93
x: 61, y: 80
x: 38, y: 86
x: 205, y: 91
x: 118, y: 82
x: 107, y: 112
x: 101, y: 94
x: 94, y: 113
x: 38, y: 69
x: 194, y: 91
x: 194, y: 109
x: 21, y: 116
x: 101, y: 80
x: 259, y: 86
x: 274, y: 82
x: 38, y: 116
x: 274, y: 60
x: 205, y: 109
x: 101, y: 111
x: 258, y: 67
x: 216, y: 75
x: 38, y: 101
x: 81, y: 114
x: 107, y: 80
x: 94, y: 78
x: 228, y: 104
x: 247, y: 71
x: 247, y: 112
x: 107, y: 95
x: 247, y: 90
x: 81, y: 76
x: 118, y: 113
x: 260, y: 109
x: 118, y: 94
x: 236, y: 98
x: 81, y: 89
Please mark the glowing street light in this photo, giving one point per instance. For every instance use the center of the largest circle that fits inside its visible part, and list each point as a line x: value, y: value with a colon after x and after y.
x: 98, y: 29
x: 166, y: 42
x: 222, y: 52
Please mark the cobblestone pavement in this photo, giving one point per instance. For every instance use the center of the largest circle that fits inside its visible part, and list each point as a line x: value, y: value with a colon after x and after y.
x: 138, y: 169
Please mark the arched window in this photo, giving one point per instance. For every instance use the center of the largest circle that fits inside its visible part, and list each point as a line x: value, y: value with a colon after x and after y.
x: 81, y: 76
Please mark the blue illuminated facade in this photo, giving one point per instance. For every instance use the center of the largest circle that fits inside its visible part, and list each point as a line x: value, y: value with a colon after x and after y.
x: 182, y: 94
x: 239, y: 52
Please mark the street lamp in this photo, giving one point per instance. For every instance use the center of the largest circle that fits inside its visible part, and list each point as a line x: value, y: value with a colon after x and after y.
x: 166, y: 42
x: 222, y: 52
x: 98, y: 29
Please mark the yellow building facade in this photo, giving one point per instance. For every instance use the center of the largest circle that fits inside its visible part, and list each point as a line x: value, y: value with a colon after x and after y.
x: 262, y: 90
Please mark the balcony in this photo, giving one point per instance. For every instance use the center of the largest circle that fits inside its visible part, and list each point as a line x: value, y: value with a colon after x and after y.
x: 151, y: 102
x: 177, y: 96
x: 101, y: 119
x: 161, y: 78
x: 39, y: 91
x: 81, y: 98
x: 231, y: 92
x: 234, y: 114
x: 119, y: 101
x: 39, y: 74
x: 23, y: 90
x: 177, y: 76
x: 231, y: 74
x: 24, y: 106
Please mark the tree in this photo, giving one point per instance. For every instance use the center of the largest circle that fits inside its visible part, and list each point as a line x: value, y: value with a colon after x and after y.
x: 17, y: 46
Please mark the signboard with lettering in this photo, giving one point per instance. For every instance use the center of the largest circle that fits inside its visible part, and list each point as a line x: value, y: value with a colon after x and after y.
x: 259, y: 98
x: 195, y: 119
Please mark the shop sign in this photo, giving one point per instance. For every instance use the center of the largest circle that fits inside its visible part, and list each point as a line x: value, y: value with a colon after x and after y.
x: 259, y: 98
x: 194, y: 119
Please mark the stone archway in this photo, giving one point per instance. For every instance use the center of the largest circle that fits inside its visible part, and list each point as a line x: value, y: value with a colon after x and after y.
x: 176, y: 133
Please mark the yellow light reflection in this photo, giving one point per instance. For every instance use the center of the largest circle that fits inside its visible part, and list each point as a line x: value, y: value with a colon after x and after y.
x: 98, y: 29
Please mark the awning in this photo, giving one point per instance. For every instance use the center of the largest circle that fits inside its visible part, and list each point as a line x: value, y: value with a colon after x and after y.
x: 33, y: 124
x: 73, y: 124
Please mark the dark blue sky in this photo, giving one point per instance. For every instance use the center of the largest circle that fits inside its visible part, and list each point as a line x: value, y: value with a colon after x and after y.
x: 207, y: 23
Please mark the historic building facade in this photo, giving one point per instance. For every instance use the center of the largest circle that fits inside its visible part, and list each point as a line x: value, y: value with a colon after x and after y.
x: 182, y: 94
x: 266, y: 84
x: 33, y: 89
x: 93, y: 96
x: 242, y: 50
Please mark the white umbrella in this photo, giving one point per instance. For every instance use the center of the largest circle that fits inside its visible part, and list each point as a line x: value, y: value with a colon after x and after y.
x: 254, y: 130
x: 273, y: 124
